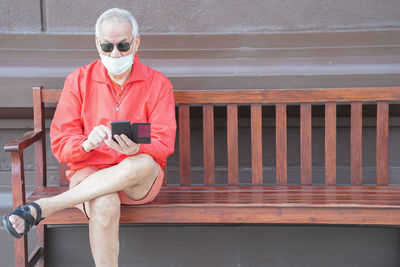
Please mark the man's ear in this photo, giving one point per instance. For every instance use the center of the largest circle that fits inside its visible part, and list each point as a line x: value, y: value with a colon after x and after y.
x: 97, y: 43
x: 137, y: 42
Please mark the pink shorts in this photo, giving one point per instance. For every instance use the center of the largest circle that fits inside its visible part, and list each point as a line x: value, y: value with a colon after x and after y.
x: 81, y: 174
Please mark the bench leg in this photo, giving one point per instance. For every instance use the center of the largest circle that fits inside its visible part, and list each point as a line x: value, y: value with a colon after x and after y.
x: 21, y: 257
x: 21, y: 252
x: 41, y: 241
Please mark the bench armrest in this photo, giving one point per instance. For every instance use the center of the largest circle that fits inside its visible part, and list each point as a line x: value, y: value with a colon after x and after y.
x: 19, y: 144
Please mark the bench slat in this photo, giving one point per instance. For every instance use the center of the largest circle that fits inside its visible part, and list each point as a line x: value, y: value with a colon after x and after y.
x: 330, y: 143
x: 281, y: 145
x: 61, y: 174
x: 232, y: 144
x: 254, y: 204
x: 244, y: 214
x: 184, y: 144
x: 208, y: 144
x: 256, y: 144
x: 40, y: 146
x: 382, y: 138
x: 337, y: 190
x: 360, y: 196
x: 356, y: 143
x: 51, y: 95
x: 165, y: 170
x: 288, y: 96
x: 271, y: 95
x: 305, y: 144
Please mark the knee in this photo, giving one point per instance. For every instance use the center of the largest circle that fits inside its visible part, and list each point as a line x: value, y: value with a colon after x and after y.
x: 139, y: 166
x: 105, y: 211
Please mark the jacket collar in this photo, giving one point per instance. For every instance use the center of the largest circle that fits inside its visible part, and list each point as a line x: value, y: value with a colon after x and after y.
x: 138, y: 73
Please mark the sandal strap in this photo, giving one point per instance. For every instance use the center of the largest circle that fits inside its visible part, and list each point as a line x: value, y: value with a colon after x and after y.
x: 25, y: 213
x: 38, y: 212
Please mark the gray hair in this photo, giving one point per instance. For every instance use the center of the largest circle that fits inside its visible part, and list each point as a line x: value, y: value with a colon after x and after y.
x: 121, y: 15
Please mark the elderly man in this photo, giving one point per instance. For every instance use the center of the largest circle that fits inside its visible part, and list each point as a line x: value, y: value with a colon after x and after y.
x: 105, y: 170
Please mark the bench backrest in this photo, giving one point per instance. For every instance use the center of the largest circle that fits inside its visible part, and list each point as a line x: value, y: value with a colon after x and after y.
x: 280, y: 98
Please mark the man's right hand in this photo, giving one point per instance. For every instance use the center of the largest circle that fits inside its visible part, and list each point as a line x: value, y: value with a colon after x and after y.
x: 96, y: 138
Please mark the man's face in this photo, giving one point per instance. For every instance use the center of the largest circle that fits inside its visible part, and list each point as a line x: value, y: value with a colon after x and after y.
x: 116, y: 32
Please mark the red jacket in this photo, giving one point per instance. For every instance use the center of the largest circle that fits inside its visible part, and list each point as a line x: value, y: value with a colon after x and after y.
x: 87, y: 101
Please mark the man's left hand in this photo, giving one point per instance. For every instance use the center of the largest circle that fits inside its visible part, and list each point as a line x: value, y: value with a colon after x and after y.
x: 123, y: 145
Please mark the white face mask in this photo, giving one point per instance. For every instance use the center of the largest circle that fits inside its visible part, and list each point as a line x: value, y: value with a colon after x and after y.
x: 117, y: 66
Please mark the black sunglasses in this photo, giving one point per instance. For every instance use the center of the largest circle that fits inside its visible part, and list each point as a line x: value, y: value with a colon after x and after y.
x: 122, y: 47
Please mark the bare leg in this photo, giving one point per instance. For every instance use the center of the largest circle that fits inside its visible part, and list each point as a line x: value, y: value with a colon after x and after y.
x: 135, y: 175
x: 140, y: 171
x: 104, y: 213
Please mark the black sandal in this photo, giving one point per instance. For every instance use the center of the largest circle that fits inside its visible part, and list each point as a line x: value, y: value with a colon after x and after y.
x: 23, y: 212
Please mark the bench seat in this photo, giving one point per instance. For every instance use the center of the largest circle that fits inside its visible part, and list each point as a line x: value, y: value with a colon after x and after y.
x: 372, y: 205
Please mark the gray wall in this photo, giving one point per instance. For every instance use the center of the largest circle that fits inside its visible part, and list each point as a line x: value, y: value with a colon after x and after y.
x: 221, y: 45
x: 203, y: 16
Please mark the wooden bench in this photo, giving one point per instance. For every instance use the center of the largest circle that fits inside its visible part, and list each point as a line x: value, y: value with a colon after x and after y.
x: 234, y: 202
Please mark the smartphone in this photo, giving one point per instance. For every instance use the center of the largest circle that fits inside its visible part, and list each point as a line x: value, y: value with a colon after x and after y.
x: 121, y: 127
x: 140, y: 133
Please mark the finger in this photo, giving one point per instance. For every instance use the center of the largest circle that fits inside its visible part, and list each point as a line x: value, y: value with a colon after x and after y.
x: 92, y: 140
x: 99, y: 139
x: 122, y: 144
x: 102, y: 134
x: 127, y: 141
x: 107, y: 131
x: 119, y: 139
x: 131, y: 147
x: 100, y: 130
x: 114, y: 145
x: 111, y: 144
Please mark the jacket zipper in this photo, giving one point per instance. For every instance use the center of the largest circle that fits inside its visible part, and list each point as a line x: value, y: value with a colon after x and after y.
x: 117, y: 109
x: 115, y: 98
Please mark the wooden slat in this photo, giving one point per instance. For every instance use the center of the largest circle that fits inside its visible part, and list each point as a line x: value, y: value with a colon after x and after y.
x: 40, y: 146
x: 330, y: 143
x: 232, y: 144
x: 373, y: 190
x: 281, y: 145
x: 305, y: 144
x: 237, y: 204
x: 51, y: 95
x: 289, y: 96
x: 184, y: 144
x: 165, y: 170
x: 256, y: 144
x: 18, y: 191
x: 61, y: 174
x: 356, y: 143
x: 208, y: 144
x: 19, y: 144
x: 38, y: 108
x: 21, y: 252
x: 230, y: 213
x: 382, y: 140
x: 35, y: 256
x: 42, y: 242
x: 18, y: 179
x: 267, y: 196
x: 271, y: 95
